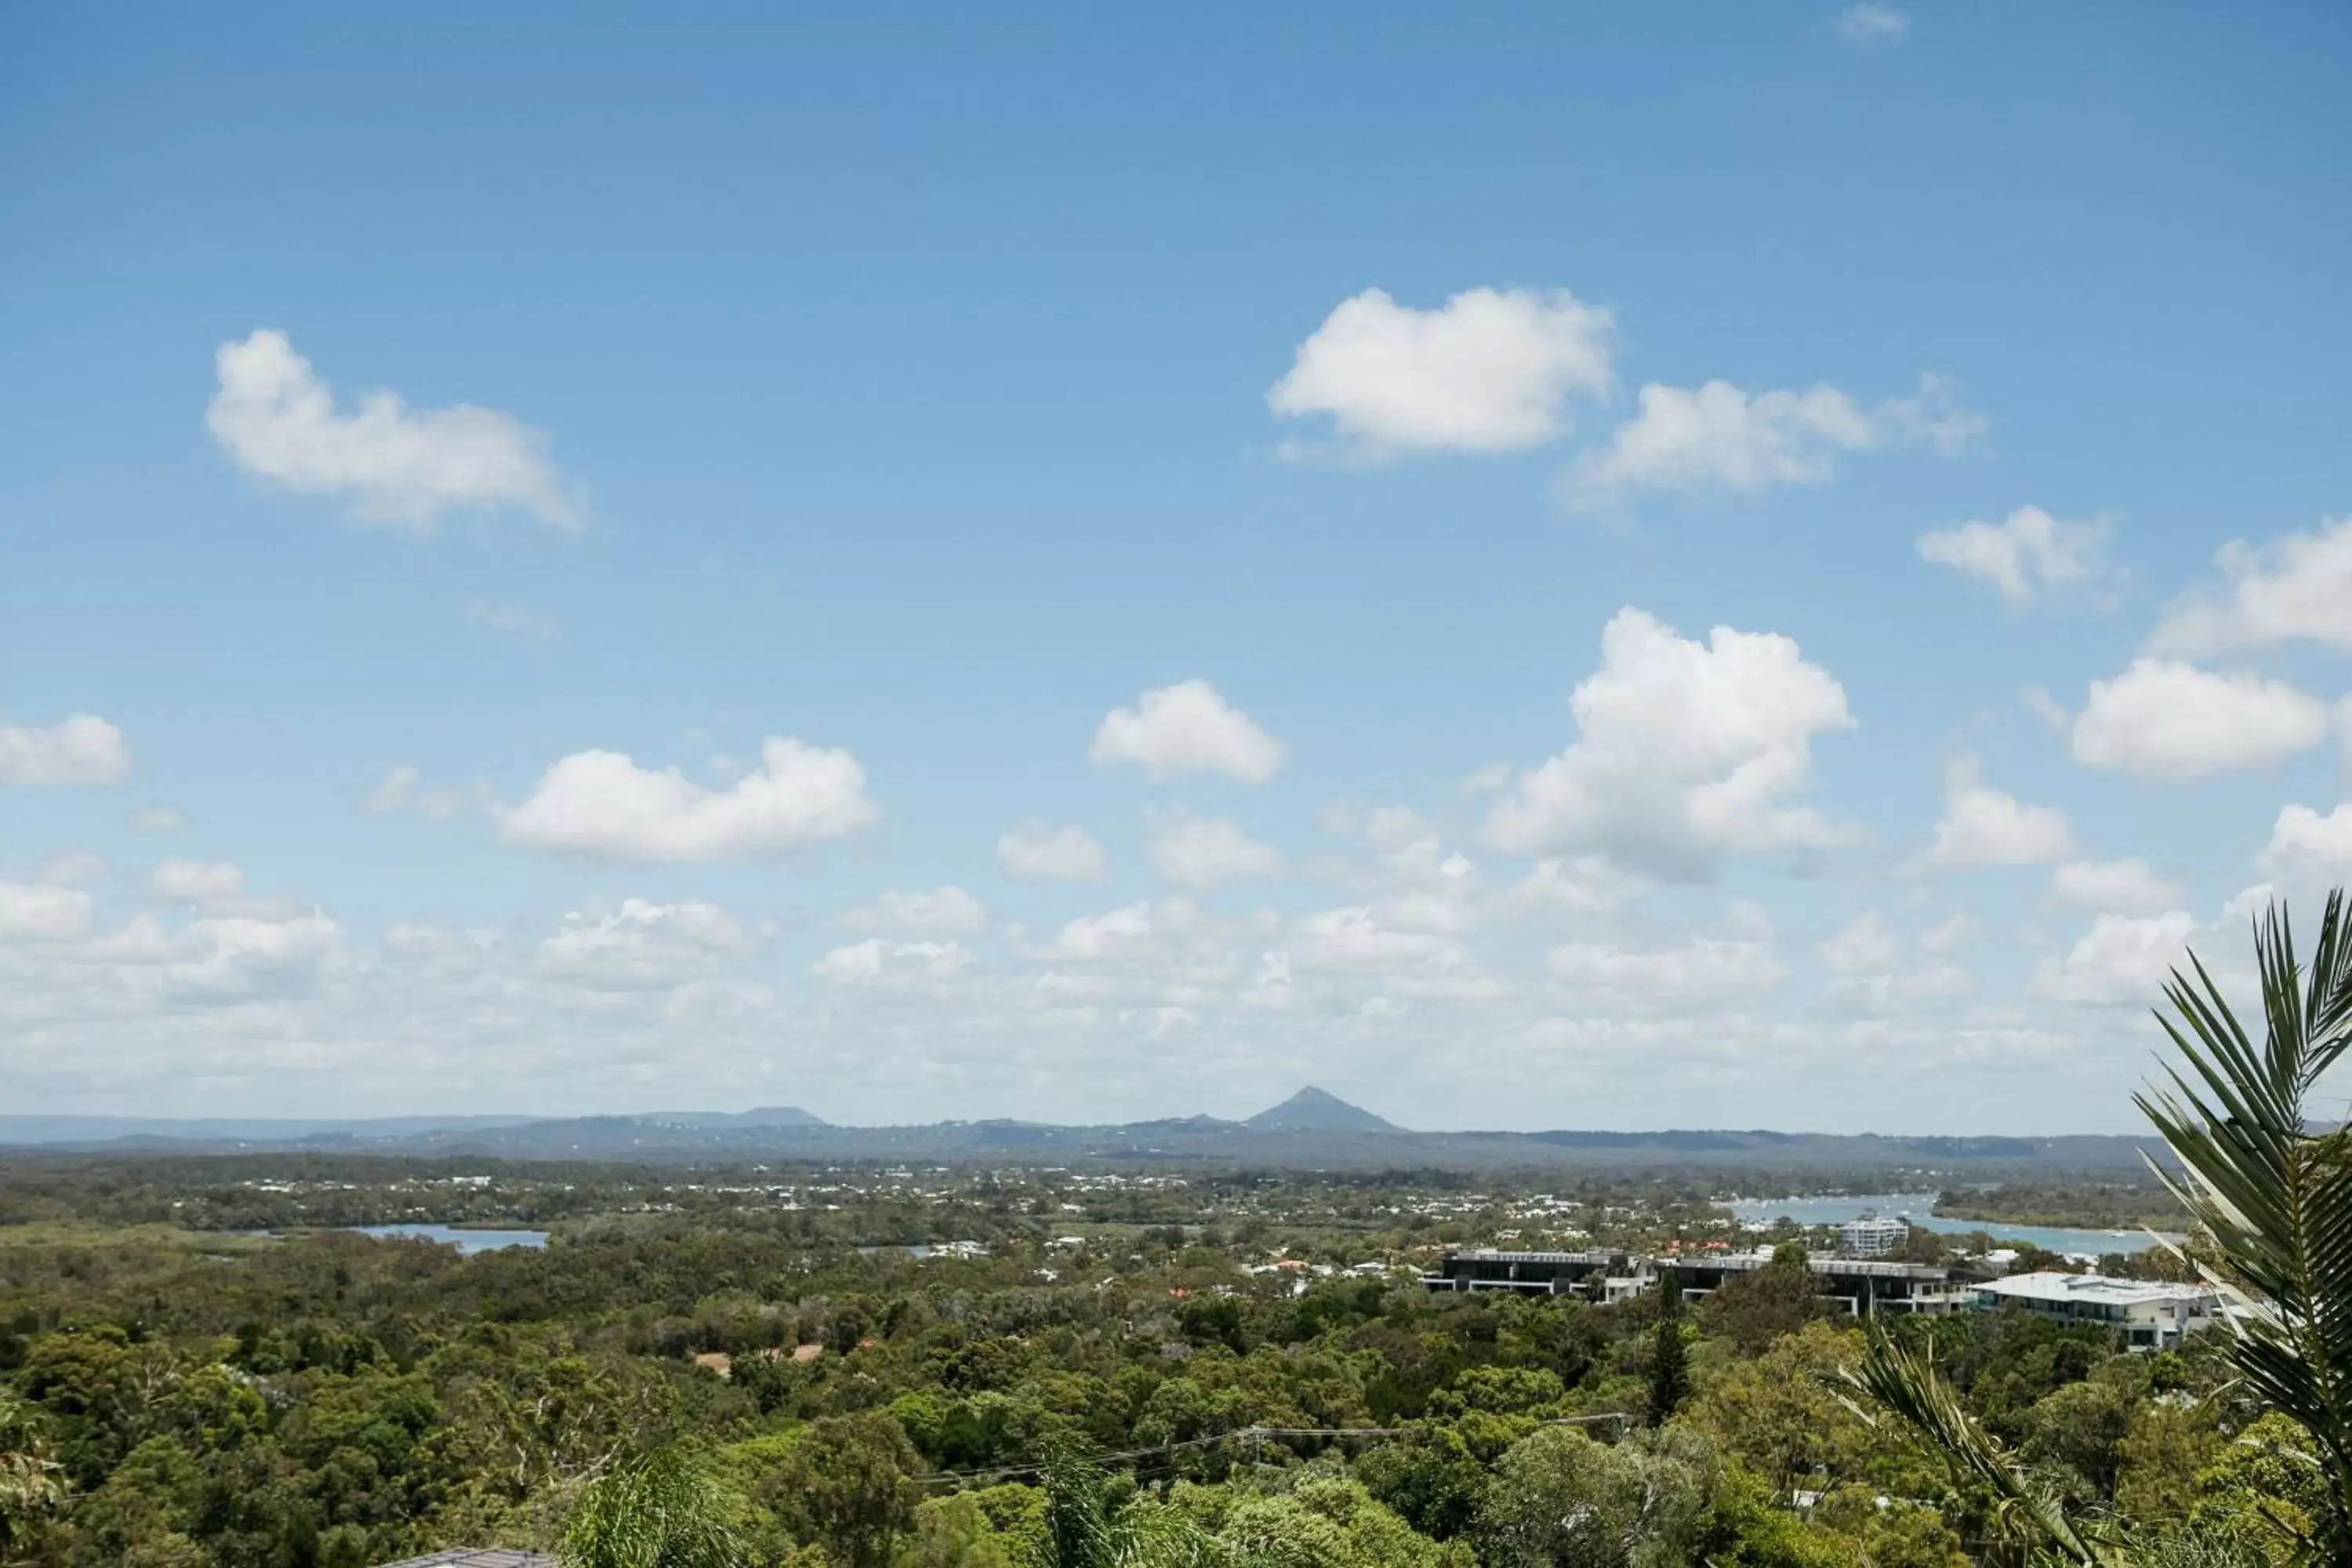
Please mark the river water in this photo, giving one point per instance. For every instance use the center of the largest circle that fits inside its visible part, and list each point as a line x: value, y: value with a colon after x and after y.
x: 1920, y: 1209
x: 467, y: 1242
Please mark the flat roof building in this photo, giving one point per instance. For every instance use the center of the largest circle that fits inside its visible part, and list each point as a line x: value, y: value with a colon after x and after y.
x: 2151, y: 1315
x: 1873, y: 1238
x: 1861, y: 1286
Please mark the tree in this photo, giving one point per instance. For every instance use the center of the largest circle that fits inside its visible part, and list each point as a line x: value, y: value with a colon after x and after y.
x: 658, y: 1512
x: 1777, y: 1415
x: 844, y: 1485
x: 29, y: 1484
x: 1081, y: 1529
x: 2273, y: 1194
x: 1435, y: 1485
x: 1753, y: 1309
x: 1324, y: 1523
x: 1669, y: 1370
x: 1560, y: 1500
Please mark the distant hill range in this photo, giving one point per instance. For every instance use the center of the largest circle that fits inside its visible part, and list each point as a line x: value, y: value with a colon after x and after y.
x: 1311, y: 1128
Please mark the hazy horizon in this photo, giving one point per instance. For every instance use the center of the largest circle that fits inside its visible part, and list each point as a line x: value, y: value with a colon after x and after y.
x: 1772, y: 568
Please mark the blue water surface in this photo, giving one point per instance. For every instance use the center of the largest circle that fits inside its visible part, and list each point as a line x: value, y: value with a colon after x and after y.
x: 1920, y: 1209
x: 467, y: 1242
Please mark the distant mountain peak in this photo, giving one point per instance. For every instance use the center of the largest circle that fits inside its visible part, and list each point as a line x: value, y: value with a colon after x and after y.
x: 1312, y: 1109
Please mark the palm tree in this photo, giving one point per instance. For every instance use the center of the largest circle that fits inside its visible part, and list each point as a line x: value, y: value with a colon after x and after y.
x: 1081, y: 1530
x: 658, y: 1512
x: 2274, y: 1190
x: 2274, y: 1193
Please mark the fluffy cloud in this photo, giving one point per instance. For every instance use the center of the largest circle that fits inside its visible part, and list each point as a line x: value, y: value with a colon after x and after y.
x: 1704, y: 970
x: 1684, y: 752
x: 876, y: 963
x: 1490, y: 371
x: 2296, y: 587
x: 277, y: 420
x: 1357, y: 938
x: 1983, y: 827
x: 72, y: 868
x: 2030, y: 553
x: 159, y: 819
x: 1201, y: 852
x: 1038, y: 850
x: 83, y: 750
x: 1866, y: 945
x: 404, y: 789
x: 1868, y: 22
x: 943, y: 911
x: 1720, y: 436
x: 1188, y: 728
x: 2114, y: 887
x: 1579, y: 885
x: 601, y: 802
x: 1868, y: 974
x: 2162, y: 718
x: 1116, y: 932
x: 2123, y: 960
x: 641, y: 945
x: 515, y: 620
x: 40, y: 911
x: 2307, y: 847
x: 197, y: 882
x: 247, y: 954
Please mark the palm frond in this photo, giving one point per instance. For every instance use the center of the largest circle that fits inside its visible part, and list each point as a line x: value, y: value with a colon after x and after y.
x: 1894, y: 1381
x: 2276, y: 1196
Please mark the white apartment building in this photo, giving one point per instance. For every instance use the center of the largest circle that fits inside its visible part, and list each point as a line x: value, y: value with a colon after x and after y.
x: 1873, y: 1238
x: 2152, y: 1316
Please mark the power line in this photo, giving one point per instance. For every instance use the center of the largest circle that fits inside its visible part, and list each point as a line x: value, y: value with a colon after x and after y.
x: 1001, y: 1472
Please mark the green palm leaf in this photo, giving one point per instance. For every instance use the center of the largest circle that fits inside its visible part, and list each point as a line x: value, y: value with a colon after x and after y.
x: 2275, y: 1195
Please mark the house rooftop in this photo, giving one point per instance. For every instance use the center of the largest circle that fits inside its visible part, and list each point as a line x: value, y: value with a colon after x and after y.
x: 478, y: 1557
x: 2094, y: 1288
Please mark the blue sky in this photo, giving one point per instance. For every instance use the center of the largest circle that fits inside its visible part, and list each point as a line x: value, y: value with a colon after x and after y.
x: 869, y: 410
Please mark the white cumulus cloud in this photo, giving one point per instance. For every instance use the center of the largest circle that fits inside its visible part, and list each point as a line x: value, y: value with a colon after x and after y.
x: 2294, y: 588
x: 2307, y: 847
x: 1721, y: 436
x: 279, y: 421
x: 1707, y: 969
x: 1188, y: 728
x: 1866, y: 945
x: 2027, y: 554
x: 2123, y: 960
x: 941, y: 911
x: 602, y: 802
x: 1685, y: 750
x: 404, y: 789
x: 42, y: 911
x: 1047, y: 853
x: 85, y: 749
x: 1869, y: 22
x: 197, y: 882
x: 2163, y: 719
x: 1490, y: 371
x: 640, y: 944
x: 1983, y: 826
x: 2114, y: 887
x: 879, y: 964
x: 1201, y: 852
